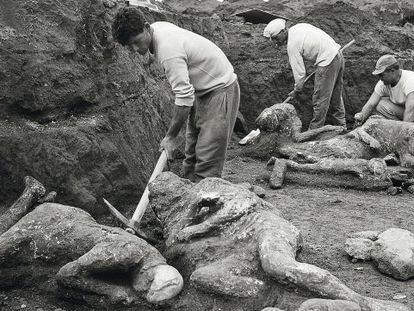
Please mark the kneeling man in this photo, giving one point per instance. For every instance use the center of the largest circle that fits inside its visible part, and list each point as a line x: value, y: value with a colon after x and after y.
x: 393, y: 96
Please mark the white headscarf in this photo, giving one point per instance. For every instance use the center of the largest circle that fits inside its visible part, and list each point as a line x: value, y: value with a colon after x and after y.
x: 274, y: 27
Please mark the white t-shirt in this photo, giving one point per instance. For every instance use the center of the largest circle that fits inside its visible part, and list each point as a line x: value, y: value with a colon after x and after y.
x: 309, y: 42
x: 397, y: 94
x: 193, y: 64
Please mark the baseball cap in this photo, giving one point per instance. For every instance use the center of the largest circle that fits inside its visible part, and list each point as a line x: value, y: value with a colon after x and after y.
x: 274, y: 27
x: 383, y: 63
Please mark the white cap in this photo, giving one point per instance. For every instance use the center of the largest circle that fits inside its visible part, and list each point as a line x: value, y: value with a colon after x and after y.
x: 274, y: 27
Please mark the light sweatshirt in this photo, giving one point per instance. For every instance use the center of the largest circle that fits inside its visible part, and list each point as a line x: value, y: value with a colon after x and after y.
x: 193, y: 65
x: 397, y: 94
x: 309, y: 42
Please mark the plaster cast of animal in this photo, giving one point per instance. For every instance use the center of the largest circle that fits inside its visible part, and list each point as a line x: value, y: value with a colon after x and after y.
x: 90, y: 258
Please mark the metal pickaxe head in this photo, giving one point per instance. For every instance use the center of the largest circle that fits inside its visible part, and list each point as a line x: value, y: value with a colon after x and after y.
x: 131, y: 226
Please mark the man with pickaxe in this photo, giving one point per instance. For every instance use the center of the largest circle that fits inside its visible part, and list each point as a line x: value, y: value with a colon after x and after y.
x: 306, y: 41
x: 206, y: 90
x: 207, y: 96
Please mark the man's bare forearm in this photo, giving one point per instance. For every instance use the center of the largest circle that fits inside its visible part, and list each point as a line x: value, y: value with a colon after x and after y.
x: 180, y: 115
x: 370, y: 105
x: 409, y: 108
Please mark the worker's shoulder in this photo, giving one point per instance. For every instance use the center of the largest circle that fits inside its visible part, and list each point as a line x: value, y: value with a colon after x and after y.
x: 302, y: 26
x: 408, y: 74
x: 167, y: 30
x: 161, y: 25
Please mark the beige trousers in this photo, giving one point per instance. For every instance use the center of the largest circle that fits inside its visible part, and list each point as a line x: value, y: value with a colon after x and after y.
x: 209, y: 130
x: 327, y: 95
x: 389, y: 110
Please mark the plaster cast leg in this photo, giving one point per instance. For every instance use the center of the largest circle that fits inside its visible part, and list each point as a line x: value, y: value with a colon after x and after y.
x: 103, y: 257
x: 368, y: 139
x: 333, y: 165
x: 123, y: 258
x: 311, y: 134
x: 220, y: 278
x: 277, y: 255
x: 33, y: 191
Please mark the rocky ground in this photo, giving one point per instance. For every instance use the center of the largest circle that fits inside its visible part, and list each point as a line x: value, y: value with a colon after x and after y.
x: 325, y: 215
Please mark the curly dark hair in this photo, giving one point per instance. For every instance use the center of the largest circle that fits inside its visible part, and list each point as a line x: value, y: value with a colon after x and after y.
x: 128, y: 22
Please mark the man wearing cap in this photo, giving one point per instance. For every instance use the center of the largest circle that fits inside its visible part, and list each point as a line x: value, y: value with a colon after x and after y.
x: 306, y: 41
x: 393, y: 96
x: 206, y: 90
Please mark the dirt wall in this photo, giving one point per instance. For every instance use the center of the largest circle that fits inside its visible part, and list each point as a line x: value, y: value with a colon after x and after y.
x: 80, y: 113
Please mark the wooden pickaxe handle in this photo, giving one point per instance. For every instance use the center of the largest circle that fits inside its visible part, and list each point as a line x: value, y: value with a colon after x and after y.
x: 133, y: 223
x: 347, y: 45
x: 127, y: 223
x: 309, y: 76
x: 306, y: 80
x: 143, y: 203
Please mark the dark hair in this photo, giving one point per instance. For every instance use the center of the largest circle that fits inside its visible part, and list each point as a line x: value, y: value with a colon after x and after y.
x: 128, y: 22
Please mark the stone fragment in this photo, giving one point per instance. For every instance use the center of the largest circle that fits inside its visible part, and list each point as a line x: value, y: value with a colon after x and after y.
x: 398, y: 180
x: 260, y: 192
x: 408, y: 182
x: 394, y: 190
x: 271, y: 309
x: 371, y: 235
x: 399, y: 296
x: 328, y: 305
x: 393, y: 253
x: 410, y: 189
x: 251, y: 138
x: 392, y: 159
x: 278, y: 175
x: 377, y: 166
x: 359, y: 248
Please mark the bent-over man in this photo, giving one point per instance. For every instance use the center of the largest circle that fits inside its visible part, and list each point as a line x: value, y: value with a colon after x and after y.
x: 306, y: 41
x: 206, y: 89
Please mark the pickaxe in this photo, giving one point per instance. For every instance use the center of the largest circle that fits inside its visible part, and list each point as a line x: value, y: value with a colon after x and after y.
x: 132, y: 225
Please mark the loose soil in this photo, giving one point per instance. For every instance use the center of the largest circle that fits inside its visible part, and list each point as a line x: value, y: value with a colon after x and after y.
x: 325, y: 215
